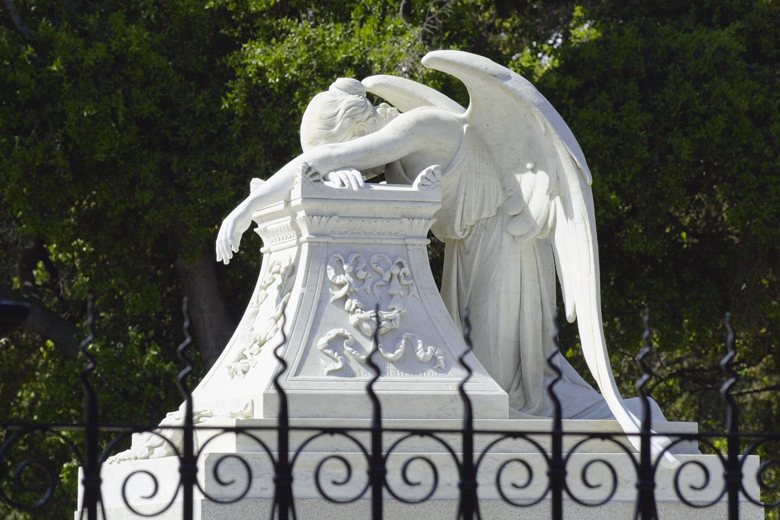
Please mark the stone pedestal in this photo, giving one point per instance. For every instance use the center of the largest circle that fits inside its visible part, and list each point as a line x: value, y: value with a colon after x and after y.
x: 223, y: 477
x: 331, y: 255
x: 443, y: 510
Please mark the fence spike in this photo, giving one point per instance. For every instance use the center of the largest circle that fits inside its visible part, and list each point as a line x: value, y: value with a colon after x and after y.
x: 377, y: 471
x: 645, y: 482
x: 284, y: 502
x: 188, y: 469
x: 468, y: 507
x: 91, y: 481
x: 557, y: 470
x: 732, y: 473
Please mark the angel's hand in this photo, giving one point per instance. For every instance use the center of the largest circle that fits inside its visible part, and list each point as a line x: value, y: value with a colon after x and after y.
x: 428, y: 178
x: 346, y: 177
x: 230, y: 232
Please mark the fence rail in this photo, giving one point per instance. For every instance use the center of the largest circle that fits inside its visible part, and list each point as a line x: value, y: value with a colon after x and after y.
x: 30, y: 484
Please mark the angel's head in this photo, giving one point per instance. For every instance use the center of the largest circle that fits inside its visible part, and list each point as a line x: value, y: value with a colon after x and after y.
x: 342, y: 113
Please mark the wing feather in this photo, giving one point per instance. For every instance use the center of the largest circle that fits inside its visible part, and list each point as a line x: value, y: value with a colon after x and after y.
x: 405, y: 94
x: 540, y: 161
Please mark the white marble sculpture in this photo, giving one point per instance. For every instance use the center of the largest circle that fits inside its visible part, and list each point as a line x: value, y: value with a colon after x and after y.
x: 506, y: 187
x: 516, y: 204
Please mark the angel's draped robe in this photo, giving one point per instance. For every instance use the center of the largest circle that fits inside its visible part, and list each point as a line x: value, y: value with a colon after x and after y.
x: 508, y: 287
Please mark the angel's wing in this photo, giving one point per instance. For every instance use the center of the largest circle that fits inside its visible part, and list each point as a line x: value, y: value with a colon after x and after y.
x: 405, y: 94
x: 547, y: 183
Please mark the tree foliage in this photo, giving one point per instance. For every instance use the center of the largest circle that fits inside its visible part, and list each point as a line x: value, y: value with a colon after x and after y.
x: 679, y: 121
x: 129, y: 129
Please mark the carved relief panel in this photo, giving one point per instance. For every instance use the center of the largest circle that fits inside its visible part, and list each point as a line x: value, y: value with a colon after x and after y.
x: 362, y: 287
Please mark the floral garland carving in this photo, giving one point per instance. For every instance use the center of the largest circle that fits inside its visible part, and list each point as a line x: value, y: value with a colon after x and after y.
x: 280, y: 273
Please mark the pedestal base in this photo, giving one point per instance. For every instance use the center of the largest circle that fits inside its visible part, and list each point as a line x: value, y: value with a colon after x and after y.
x: 234, y: 465
x: 440, y: 510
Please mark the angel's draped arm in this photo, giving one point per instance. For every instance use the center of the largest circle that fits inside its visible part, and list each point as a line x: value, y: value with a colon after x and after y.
x: 401, y: 137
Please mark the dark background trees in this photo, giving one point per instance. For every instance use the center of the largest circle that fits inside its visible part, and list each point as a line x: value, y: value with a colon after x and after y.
x: 128, y: 130
x: 677, y: 110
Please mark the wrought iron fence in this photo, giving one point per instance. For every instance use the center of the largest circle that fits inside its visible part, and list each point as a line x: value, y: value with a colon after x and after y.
x: 33, y: 482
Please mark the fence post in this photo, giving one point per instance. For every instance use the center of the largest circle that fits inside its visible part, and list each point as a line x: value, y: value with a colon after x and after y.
x: 557, y: 470
x: 468, y: 508
x: 733, y: 471
x: 188, y: 468
x: 283, y: 479
x: 91, y: 481
x: 377, y: 471
x: 645, y: 483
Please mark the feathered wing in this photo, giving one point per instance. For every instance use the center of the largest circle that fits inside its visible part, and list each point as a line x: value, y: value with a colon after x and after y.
x: 405, y: 94
x: 547, y: 186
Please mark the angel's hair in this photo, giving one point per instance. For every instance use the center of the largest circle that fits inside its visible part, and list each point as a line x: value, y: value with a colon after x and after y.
x: 335, y: 116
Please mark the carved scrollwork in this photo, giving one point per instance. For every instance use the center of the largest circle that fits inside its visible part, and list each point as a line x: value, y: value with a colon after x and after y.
x: 277, y: 232
x: 360, y: 319
x: 428, y: 179
x: 168, y: 439
x: 165, y: 441
x: 349, y: 277
x: 423, y: 354
x: 389, y: 320
x: 323, y: 345
x: 396, y: 276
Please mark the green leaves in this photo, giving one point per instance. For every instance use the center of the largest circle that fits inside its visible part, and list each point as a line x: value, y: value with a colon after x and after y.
x: 128, y: 130
x: 677, y: 125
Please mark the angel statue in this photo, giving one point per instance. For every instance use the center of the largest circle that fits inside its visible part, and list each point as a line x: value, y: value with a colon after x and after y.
x: 516, y: 204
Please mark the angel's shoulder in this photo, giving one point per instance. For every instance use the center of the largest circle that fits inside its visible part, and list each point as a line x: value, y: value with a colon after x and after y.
x: 432, y: 114
x: 435, y: 122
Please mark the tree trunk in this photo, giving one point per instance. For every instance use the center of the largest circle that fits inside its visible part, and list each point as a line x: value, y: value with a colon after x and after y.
x: 208, y: 313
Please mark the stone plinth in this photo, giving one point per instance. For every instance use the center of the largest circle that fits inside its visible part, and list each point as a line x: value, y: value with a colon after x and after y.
x: 331, y: 255
x: 218, y: 462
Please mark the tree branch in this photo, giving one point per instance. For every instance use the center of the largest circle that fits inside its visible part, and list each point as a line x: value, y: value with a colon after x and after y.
x: 18, y: 22
x: 41, y: 320
x: 750, y: 391
x: 52, y: 326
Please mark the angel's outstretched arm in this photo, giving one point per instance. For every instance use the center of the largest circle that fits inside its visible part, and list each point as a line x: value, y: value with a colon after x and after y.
x: 277, y: 188
x: 393, y: 142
